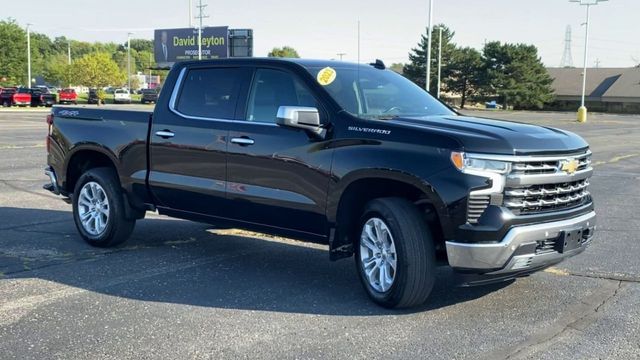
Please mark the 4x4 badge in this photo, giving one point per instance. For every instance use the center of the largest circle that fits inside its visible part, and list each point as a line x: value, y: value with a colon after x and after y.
x: 569, y: 166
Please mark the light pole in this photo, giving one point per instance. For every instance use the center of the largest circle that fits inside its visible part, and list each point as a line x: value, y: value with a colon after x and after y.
x: 439, y: 59
x: 341, y: 55
x: 582, y: 111
x: 129, y: 60
x: 428, y: 78
x: 29, y: 55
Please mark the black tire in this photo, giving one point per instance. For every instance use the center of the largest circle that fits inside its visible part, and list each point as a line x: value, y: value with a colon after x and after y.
x: 415, y: 253
x: 118, y: 228
x: 5, y: 103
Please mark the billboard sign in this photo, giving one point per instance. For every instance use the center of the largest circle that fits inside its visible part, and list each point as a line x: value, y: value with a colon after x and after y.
x: 173, y: 45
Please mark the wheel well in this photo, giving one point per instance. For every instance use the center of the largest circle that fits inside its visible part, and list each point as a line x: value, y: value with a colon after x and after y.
x: 83, y: 161
x: 360, y: 192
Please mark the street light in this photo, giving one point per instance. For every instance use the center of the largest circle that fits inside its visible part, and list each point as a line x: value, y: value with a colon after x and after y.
x: 582, y: 111
x: 129, y: 60
x: 29, y: 55
x: 428, y: 79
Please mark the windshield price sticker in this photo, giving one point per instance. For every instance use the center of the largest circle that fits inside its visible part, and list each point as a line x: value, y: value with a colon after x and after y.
x: 326, y: 76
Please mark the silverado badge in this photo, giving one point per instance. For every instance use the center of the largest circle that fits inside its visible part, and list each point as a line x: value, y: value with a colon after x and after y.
x: 569, y: 166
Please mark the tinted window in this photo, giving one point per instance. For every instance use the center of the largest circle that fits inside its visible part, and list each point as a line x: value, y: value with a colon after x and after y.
x: 211, y: 93
x: 373, y: 93
x: 272, y: 89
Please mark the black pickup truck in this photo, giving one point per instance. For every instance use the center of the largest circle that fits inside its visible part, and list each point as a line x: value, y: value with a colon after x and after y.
x: 353, y: 156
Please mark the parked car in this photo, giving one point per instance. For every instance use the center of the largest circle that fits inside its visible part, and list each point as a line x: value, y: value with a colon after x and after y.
x: 15, y: 97
x: 93, y: 96
x: 353, y: 156
x: 149, y: 96
x: 121, y: 96
x: 68, y: 96
x: 42, y: 97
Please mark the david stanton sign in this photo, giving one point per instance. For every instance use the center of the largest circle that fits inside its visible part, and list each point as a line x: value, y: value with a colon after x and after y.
x: 173, y: 45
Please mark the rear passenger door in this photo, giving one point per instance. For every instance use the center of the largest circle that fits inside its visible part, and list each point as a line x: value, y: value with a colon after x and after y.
x: 188, y: 144
x: 277, y: 176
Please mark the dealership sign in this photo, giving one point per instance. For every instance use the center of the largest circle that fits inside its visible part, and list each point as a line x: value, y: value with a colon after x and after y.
x: 173, y: 45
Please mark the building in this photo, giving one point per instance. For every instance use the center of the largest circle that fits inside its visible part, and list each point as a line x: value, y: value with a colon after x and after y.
x: 614, y: 90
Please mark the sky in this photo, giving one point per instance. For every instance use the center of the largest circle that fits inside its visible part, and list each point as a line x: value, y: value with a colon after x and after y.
x: 388, y: 29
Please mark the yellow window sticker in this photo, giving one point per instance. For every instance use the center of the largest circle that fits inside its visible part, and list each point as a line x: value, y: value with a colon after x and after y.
x: 326, y: 76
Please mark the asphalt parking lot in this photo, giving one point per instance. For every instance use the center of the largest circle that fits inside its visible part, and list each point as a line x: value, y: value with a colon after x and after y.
x: 179, y: 289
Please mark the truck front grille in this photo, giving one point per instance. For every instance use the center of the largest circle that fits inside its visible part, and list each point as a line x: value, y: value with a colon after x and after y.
x: 546, y: 197
x: 543, y: 184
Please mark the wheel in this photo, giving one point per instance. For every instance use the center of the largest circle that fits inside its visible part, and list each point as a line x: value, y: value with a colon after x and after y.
x: 395, y: 255
x: 99, y: 209
x: 5, y: 103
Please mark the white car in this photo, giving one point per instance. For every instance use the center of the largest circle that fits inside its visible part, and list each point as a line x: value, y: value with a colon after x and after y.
x: 121, y: 96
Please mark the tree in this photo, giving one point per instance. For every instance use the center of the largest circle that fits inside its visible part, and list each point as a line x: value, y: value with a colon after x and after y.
x: 284, y: 52
x: 13, y: 53
x: 397, y: 67
x: 58, y: 71
x: 516, y: 74
x: 416, y: 70
x: 98, y: 70
x: 463, y: 74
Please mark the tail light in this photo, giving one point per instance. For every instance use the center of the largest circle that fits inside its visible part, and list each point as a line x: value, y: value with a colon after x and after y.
x: 50, y: 119
x: 41, y: 98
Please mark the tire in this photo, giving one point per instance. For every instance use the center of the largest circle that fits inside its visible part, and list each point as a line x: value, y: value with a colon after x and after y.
x: 118, y: 228
x: 413, y: 251
x: 5, y: 103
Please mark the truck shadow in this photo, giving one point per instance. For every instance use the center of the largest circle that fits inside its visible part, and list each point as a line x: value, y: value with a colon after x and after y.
x: 188, y: 263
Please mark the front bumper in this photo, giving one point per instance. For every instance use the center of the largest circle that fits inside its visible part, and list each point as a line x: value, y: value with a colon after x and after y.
x: 522, y: 248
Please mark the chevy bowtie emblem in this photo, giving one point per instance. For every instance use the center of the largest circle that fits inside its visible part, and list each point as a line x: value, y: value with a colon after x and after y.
x: 569, y: 166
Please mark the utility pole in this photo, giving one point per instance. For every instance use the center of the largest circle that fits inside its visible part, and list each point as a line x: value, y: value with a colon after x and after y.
x: 29, y: 55
x: 69, y: 52
x: 129, y: 60
x: 200, y: 17
x: 598, y: 63
x: 428, y: 78
x: 439, y: 60
x: 341, y: 55
x: 150, y: 64
x: 191, y: 13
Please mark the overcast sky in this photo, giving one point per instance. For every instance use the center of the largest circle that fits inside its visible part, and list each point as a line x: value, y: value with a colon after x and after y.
x: 321, y: 29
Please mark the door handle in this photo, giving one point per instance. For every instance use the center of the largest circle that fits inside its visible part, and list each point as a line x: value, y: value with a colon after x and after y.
x: 243, y: 141
x: 165, y: 134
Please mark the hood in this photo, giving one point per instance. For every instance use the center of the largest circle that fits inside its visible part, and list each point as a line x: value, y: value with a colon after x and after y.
x: 491, y: 136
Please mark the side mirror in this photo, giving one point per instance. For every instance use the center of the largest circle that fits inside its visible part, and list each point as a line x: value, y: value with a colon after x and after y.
x: 301, y: 117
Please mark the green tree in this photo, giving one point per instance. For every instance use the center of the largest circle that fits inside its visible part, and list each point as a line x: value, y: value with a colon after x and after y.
x: 463, y: 74
x: 416, y: 70
x: 397, y: 67
x: 516, y: 74
x: 284, y: 52
x: 58, y: 71
x: 13, y: 53
x: 98, y: 70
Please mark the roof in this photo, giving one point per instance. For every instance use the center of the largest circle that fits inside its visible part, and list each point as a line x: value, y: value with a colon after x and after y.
x: 601, y: 82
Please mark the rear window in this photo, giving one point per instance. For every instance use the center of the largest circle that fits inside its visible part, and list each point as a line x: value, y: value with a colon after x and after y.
x: 24, y: 91
x: 148, y: 91
x: 120, y: 91
x: 68, y: 91
x: 211, y: 93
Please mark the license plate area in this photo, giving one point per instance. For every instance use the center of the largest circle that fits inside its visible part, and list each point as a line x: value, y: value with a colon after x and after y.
x: 570, y: 240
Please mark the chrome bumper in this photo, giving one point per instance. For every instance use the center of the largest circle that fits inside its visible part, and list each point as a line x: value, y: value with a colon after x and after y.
x: 53, y: 185
x: 519, y: 249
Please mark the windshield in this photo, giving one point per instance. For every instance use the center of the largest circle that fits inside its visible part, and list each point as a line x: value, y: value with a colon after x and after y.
x: 378, y: 94
x: 121, y: 92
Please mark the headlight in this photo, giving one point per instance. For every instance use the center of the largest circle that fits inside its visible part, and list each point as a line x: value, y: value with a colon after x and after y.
x: 464, y: 162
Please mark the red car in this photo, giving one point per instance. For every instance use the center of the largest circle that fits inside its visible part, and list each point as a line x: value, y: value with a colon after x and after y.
x: 68, y: 96
x: 15, y: 97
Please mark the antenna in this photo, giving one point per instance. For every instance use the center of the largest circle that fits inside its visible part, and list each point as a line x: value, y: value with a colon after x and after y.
x: 567, y: 59
x: 200, y: 17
